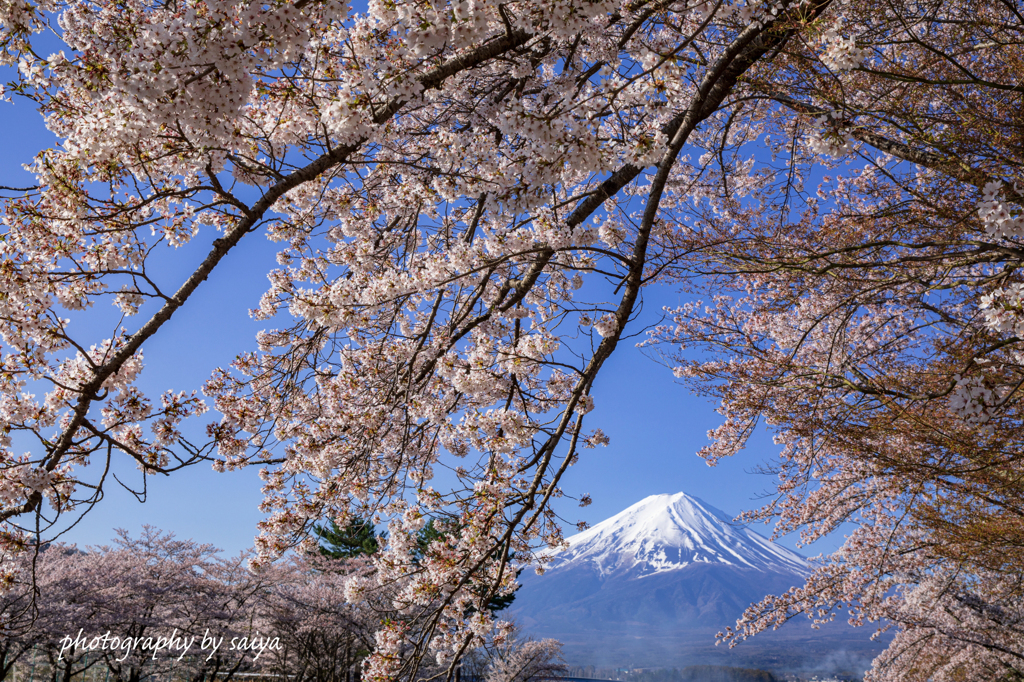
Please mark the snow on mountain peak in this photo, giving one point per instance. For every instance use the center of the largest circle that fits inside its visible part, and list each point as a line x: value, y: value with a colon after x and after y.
x: 669, y: 532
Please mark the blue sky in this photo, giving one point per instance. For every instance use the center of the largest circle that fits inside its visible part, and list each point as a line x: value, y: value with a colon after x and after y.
x: 655, y: 425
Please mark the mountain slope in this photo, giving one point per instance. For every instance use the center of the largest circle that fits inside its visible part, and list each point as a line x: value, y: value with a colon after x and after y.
x: 653, y: 584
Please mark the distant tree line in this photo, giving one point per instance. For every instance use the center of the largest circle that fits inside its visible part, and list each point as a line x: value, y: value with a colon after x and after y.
x: 692, y: 673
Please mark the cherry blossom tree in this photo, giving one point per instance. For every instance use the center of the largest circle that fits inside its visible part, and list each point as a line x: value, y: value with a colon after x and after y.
x: 523, y: 659
x: 441, y: 179
x: 322, y: 636
x: 469, y: 198
x: 863, y: 309
x: 155, y: 586
x: 18, y: 612
x: 67, y: 591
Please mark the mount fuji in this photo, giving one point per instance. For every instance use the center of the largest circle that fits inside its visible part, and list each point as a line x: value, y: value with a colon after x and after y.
x: 669, y: 533
x: 652, y: 585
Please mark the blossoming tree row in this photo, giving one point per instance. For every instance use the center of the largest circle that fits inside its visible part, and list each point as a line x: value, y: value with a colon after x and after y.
x: 157, y: 606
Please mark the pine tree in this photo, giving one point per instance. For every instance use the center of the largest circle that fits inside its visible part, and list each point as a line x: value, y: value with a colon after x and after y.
x: 358, y: 537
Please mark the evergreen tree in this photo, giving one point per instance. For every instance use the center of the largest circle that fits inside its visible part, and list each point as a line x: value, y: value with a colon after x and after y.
x: 356, y: 538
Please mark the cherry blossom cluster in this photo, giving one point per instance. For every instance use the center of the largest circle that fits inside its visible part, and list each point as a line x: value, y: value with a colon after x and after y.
x: 519, y: 660
x: 971, y: 399
x: 997, y: 216
x: 953, y: 629
x: 827, y: 138
x: 841, y: 53
x: 1002, y: 309
x: 18, y: 21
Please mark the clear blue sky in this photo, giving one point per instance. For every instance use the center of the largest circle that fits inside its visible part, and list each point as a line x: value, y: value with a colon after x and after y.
x: 654, y: 424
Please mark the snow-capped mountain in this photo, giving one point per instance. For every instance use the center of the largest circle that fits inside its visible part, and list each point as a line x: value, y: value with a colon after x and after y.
x: 653, y: 584
x: 670, y: 532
